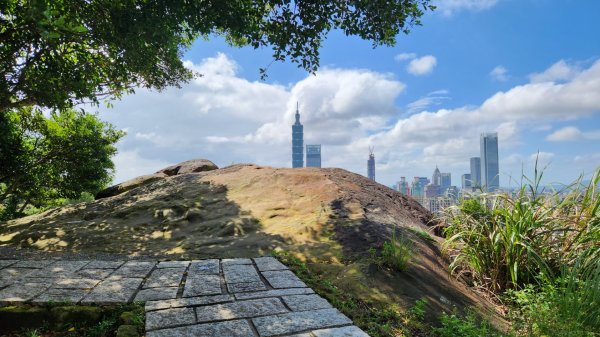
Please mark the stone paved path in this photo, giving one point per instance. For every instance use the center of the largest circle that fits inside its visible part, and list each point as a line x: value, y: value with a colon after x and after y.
x: 228, y: 297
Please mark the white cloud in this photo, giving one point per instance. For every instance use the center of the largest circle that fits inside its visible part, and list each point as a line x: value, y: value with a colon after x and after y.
x: 228, y: 119
x: 572, y: 133
x: 449, y: 7
x: 422, y: 65
x: 559, y: 71
x: 499, y: 73
x: 433, y: 98
x: 405, y: 56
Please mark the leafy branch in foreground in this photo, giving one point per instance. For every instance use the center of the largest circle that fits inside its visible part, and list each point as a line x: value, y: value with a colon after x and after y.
x: 57, y: 53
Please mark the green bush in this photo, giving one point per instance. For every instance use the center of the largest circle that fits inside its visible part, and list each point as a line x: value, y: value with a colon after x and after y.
x: 455, y: 325
x: 503, y: 241
x: 395, y: 253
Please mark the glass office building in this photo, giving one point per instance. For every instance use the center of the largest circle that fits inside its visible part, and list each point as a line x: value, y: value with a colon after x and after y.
x: 490, y: 171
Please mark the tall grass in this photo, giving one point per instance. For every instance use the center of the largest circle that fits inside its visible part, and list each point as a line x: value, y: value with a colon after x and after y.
x: 503, y: 241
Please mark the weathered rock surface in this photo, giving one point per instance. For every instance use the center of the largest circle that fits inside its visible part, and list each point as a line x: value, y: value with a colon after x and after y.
x: 190, y: 166
x: 129, y: 185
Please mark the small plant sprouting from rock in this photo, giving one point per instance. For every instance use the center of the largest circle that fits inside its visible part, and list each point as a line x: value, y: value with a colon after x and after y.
x: 395, y: 253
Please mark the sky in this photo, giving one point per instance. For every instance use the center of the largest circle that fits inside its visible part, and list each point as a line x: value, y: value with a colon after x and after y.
x: 526, y: 69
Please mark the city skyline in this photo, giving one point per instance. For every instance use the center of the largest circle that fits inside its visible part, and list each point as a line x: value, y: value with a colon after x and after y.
x: 420, y: 103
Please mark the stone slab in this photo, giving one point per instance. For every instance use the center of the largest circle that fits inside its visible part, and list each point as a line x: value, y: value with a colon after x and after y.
x: 37, y: 264
x: 173, y: 264
x: 274, y: 293
x: 113, y: 291
x: 135, y: 269
x: 61, y: 296
x: 242, y: 309
x: 299, y: 321
x: 231, y: 262
x: 204, y: 267
x: 14, y: 273
x: 6, y: 263
x: 347, y: 331
x: 153, y: 294
x: 246, y: 287
x: 76, y: 283
x: 199, y: 285
x: 242, y: 273
x: 240, y: 328
x: 283, y: 279
x: 93, y: 273
x: 269, y: 263
x: 165, y: 277
x: 21, y: 292
x: 169, y: 318
x: 104, y: 264
x: 306, y: 302
x: 187, y: 302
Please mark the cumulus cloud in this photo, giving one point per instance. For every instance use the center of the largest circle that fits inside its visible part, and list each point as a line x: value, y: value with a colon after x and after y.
x: 499, y: 73
x: 569, y: 133
x: 559, y: 71
x: 449, y: 7
x: 422, y: 65
x: 227, y: 119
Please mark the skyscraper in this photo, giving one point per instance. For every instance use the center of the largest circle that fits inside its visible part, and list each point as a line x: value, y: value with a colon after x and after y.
x: 466, y: 181
x: 490, y: 170
x: 446, y: 181
x: 402, y: 186
x: 436, y: 179
x: 371, y: 165
x: 476, y: 172
x: 297, y: 142
x: 313, y: 155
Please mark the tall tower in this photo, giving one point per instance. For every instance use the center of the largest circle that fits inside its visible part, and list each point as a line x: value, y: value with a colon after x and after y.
x: 371, y: 165
x: 297, y: 142
x: 436, y: 179
x: 490, y: 170
x: 476, y: 172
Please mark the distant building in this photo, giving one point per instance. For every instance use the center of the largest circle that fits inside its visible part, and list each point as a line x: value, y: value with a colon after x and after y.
x: 490, y: 171
x: 451, y: 192
x: 313, y: 155
x: 436, y: 205
x: 436, y: 179
x: 432, y: 191
x: 402, y: 186
x: 466, y: 181
x: 297, y: 142
x: 446, y: 181
x: 416, y: 188
x: 371, y: 165
x: 475, y: 172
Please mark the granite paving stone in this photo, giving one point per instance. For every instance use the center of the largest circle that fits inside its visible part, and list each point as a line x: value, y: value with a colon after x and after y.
x: 269, y: 263
x: 240, y: 328
x: 152, y: 294
x: 173, y: 264
x: 188, y: 302
x: 135, y: 269
x: 114, y: 291
x: 347, y: 331
x: 104, y: 264
x: 245, y: 287
x: 38, y: 264
x: 61, y: 295
x: 306, y: 302
x: 197, y: 285
x: 242, y: 309
x: 299, y: 321
x: 21, y: 292
x: 230, y: 262
x: 240, y: 273
x: 76, y: 283
x: 274, y: 293
x: 6, y: 263
x: 169, y: 318
x: 283, y: 279
x: 93, y: 273
x: 204, y: 267
x: 166, y: 277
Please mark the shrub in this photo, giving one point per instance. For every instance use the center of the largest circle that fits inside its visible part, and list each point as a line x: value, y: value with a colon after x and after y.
x: 503, y: 241
x: 395, y: 253
x: 455, y: 325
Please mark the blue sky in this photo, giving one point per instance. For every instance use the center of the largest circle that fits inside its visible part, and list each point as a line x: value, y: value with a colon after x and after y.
x: 528, y: 69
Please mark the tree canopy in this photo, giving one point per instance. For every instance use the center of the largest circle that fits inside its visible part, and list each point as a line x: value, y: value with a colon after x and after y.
x: 47, y: 158
x: 56, y: 53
